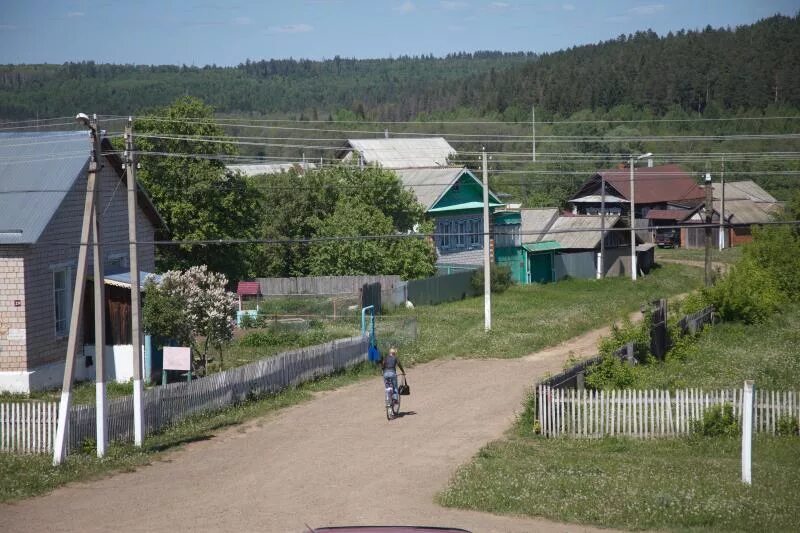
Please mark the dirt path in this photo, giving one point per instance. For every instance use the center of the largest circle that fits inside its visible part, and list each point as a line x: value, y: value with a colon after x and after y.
x: 332, y: 461
x: 716, y: 266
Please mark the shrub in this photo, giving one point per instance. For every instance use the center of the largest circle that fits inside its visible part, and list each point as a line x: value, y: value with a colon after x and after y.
x: 500, y: 278
x: 611, y: 373
x: 718, y: 421
x: 247, y: 321
x: 748, y: 293
x: 776, y: 249
x: 788, y: 425
x: 637, y: 333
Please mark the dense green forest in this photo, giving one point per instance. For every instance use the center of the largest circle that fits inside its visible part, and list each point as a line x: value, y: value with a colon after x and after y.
x: 705, y: 99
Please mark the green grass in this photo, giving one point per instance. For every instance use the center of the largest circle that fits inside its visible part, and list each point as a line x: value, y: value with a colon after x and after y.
x: 23, y: 476
x: 532, y: 317
x: 672, y: 484
x: 727, y: 354
x: 727, y: 255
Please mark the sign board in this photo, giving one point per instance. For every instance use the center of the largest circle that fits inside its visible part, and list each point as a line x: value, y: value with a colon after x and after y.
x: 16, y: 334
x: 177, y: 358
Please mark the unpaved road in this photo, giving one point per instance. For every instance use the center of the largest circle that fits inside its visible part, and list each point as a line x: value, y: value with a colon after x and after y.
x: 334, y: 460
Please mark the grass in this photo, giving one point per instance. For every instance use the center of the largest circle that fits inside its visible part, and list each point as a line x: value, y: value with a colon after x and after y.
x: 23, y: 476
x: 725, y: 355
x: 673, y: 484
x: 726, y: 255
x: 532, y: 317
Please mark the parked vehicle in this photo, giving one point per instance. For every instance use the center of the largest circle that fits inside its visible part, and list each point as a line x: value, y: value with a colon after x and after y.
x: 668, y: 238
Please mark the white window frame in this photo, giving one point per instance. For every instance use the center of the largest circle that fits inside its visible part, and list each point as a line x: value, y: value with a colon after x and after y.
x: 66, y: 295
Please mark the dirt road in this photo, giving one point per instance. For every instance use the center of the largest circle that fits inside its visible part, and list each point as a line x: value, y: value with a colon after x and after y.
x: 331, y: 461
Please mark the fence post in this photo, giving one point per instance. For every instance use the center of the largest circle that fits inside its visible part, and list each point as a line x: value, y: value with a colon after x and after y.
x: 747, y: 431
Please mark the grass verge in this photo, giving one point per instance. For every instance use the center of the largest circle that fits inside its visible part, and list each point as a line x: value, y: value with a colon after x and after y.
x: 727, y: 255
x: 673, y: 484
x: 23, y: 476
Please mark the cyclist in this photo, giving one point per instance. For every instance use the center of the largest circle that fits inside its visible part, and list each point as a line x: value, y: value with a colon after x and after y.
x: 389, y: 365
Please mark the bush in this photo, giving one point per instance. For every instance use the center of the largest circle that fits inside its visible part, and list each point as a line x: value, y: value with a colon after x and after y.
x: 247, y: 322
x: 718, y: 421
x: 611, y: 373
x: 788, y: 425
x: 748, y: 293
x: 776, y: 249
x: 500, y: 278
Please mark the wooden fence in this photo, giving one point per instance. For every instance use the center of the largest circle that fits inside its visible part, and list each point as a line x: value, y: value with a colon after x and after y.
x: 29, y: 427
x: 651, y: 413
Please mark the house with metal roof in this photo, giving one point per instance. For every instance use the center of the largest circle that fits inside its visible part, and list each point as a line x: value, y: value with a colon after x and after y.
x: 740, y: 215
x: 43, y: 180
x: 453, y: 198
x: 396, y: 152
x: 520, y: 244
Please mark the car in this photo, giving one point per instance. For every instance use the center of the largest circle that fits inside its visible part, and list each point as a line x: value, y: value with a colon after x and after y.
x: 668, y: 239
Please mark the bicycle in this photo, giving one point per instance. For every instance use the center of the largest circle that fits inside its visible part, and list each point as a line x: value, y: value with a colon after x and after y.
x: 392, y: 399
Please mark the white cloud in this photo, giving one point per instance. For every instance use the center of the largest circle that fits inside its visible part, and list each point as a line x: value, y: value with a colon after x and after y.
x: 453, y: 5
x: 291, y: 28
x: 568, y: 7
x: 648, y: 9
x: 74, y: 14
x: 406, y: 7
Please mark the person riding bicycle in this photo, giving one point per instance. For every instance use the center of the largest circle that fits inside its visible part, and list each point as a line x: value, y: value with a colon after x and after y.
x: 389, y: 365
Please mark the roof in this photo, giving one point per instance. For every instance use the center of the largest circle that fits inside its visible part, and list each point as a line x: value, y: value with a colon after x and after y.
x: 535, y: 222
x: 430, y: 184
x: 256, y: 169
x: 668, y: 214
x: 39, y: 169
x: 598, y: 198
x: 743, y: 211
x: 248, y: 288
x: 567, y: 231
x: 543, y: 246
x: 402, y: 153
x: 123, y: 279
x: 665, y: 183
x: 741, y: 190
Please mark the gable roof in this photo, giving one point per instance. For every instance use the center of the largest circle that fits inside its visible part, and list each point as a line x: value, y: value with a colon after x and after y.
x: 429, y: 185
x: 37, y: 170
x: 418, y: 152
x: 665, y: 183
x: 535, y: 223
x: 256, y: 169
x: 743, y: 211
x: 743, y: 190
x: 567, y: 231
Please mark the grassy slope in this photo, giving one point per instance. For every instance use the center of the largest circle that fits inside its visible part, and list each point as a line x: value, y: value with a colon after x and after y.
x: 678, y: 484
x: 528, y: 318
x: 728, y: 255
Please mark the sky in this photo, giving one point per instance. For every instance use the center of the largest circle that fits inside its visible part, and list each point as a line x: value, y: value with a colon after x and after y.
x: 206, y: 32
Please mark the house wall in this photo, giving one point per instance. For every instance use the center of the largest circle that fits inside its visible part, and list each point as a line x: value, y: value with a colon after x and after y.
x: 461, y: 253
x: 57, y: 246
x: 12, y: 309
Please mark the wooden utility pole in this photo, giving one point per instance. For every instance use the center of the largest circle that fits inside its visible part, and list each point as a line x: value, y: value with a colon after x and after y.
x: 62, y: 430
x: 709, y: 218
x: 487, y: 273
x: 136, y: 329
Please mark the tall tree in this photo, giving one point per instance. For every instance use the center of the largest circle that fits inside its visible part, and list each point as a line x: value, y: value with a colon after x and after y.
x: 181, y: 168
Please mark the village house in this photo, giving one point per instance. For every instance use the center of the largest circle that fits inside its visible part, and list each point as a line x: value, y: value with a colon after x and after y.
x: 42, y: 189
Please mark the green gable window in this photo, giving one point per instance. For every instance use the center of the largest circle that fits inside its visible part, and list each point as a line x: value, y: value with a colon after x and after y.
x: 461, y: 233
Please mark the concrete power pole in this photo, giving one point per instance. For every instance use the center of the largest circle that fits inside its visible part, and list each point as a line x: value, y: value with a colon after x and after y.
x: 533, y: 132
x: 722, y: 230
x: 136, y: 303
x: 62, y: 430
x: 601, y: 261
x: 99, y: 311
x: 487, y: 273
x: 709, y: 217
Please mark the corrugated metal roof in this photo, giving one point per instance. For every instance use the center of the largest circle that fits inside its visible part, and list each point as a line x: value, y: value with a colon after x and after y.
x: 123, y: 279
x: 248, y: 288
x: 430, y: 184
x: 544, y: 246
x: 567, y: 231
x: 36, y: 172
x: 403, y: 153
x: 536, y: 221
x: 257, y: 169
x: 668, y: 214
x: 739, y: 190
x: 742, y: 211
x: 665, y: 183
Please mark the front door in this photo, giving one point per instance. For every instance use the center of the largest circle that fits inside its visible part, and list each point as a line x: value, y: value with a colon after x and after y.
x: 541, y: 268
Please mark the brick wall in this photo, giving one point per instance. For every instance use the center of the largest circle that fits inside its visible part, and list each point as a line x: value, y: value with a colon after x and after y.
x: 12, y: 308
x: 59, y: 245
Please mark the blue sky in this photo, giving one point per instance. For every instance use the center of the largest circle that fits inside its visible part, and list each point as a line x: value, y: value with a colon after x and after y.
x: 226, y: 33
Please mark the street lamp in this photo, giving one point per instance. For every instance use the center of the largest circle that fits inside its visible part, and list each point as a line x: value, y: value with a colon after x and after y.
x: 633, y: 215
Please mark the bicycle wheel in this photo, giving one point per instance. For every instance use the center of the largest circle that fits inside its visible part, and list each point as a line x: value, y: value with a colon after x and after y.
x: 396, y: 405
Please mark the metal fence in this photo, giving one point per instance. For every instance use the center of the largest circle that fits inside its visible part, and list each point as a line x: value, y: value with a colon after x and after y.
x: 439, y: 289
x: 25, y: 429
x: 652, y: 413
x: 321, y: 285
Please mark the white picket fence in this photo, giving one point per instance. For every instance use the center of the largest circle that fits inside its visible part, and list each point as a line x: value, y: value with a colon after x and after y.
x: 651, y: 413
x: 29, y: 427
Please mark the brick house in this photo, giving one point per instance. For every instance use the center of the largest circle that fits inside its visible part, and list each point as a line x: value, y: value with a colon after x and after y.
x: 42, y: 189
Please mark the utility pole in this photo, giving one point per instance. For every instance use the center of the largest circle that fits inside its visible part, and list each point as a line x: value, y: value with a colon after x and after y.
x: 533, y: 132
x: 62, y: 430
x: 709, y: 215
x: 722, y: 230
x: 99, y: 309
x: 602, y: 259
x: 487, y: 274
x: 136, y: 301
x: 633, y: 224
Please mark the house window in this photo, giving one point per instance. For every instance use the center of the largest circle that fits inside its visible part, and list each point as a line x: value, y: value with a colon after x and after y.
x: 465, y: 233
x: 62, y: 299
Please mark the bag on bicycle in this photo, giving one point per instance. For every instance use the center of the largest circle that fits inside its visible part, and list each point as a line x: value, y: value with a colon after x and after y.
x: 403, y: 388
